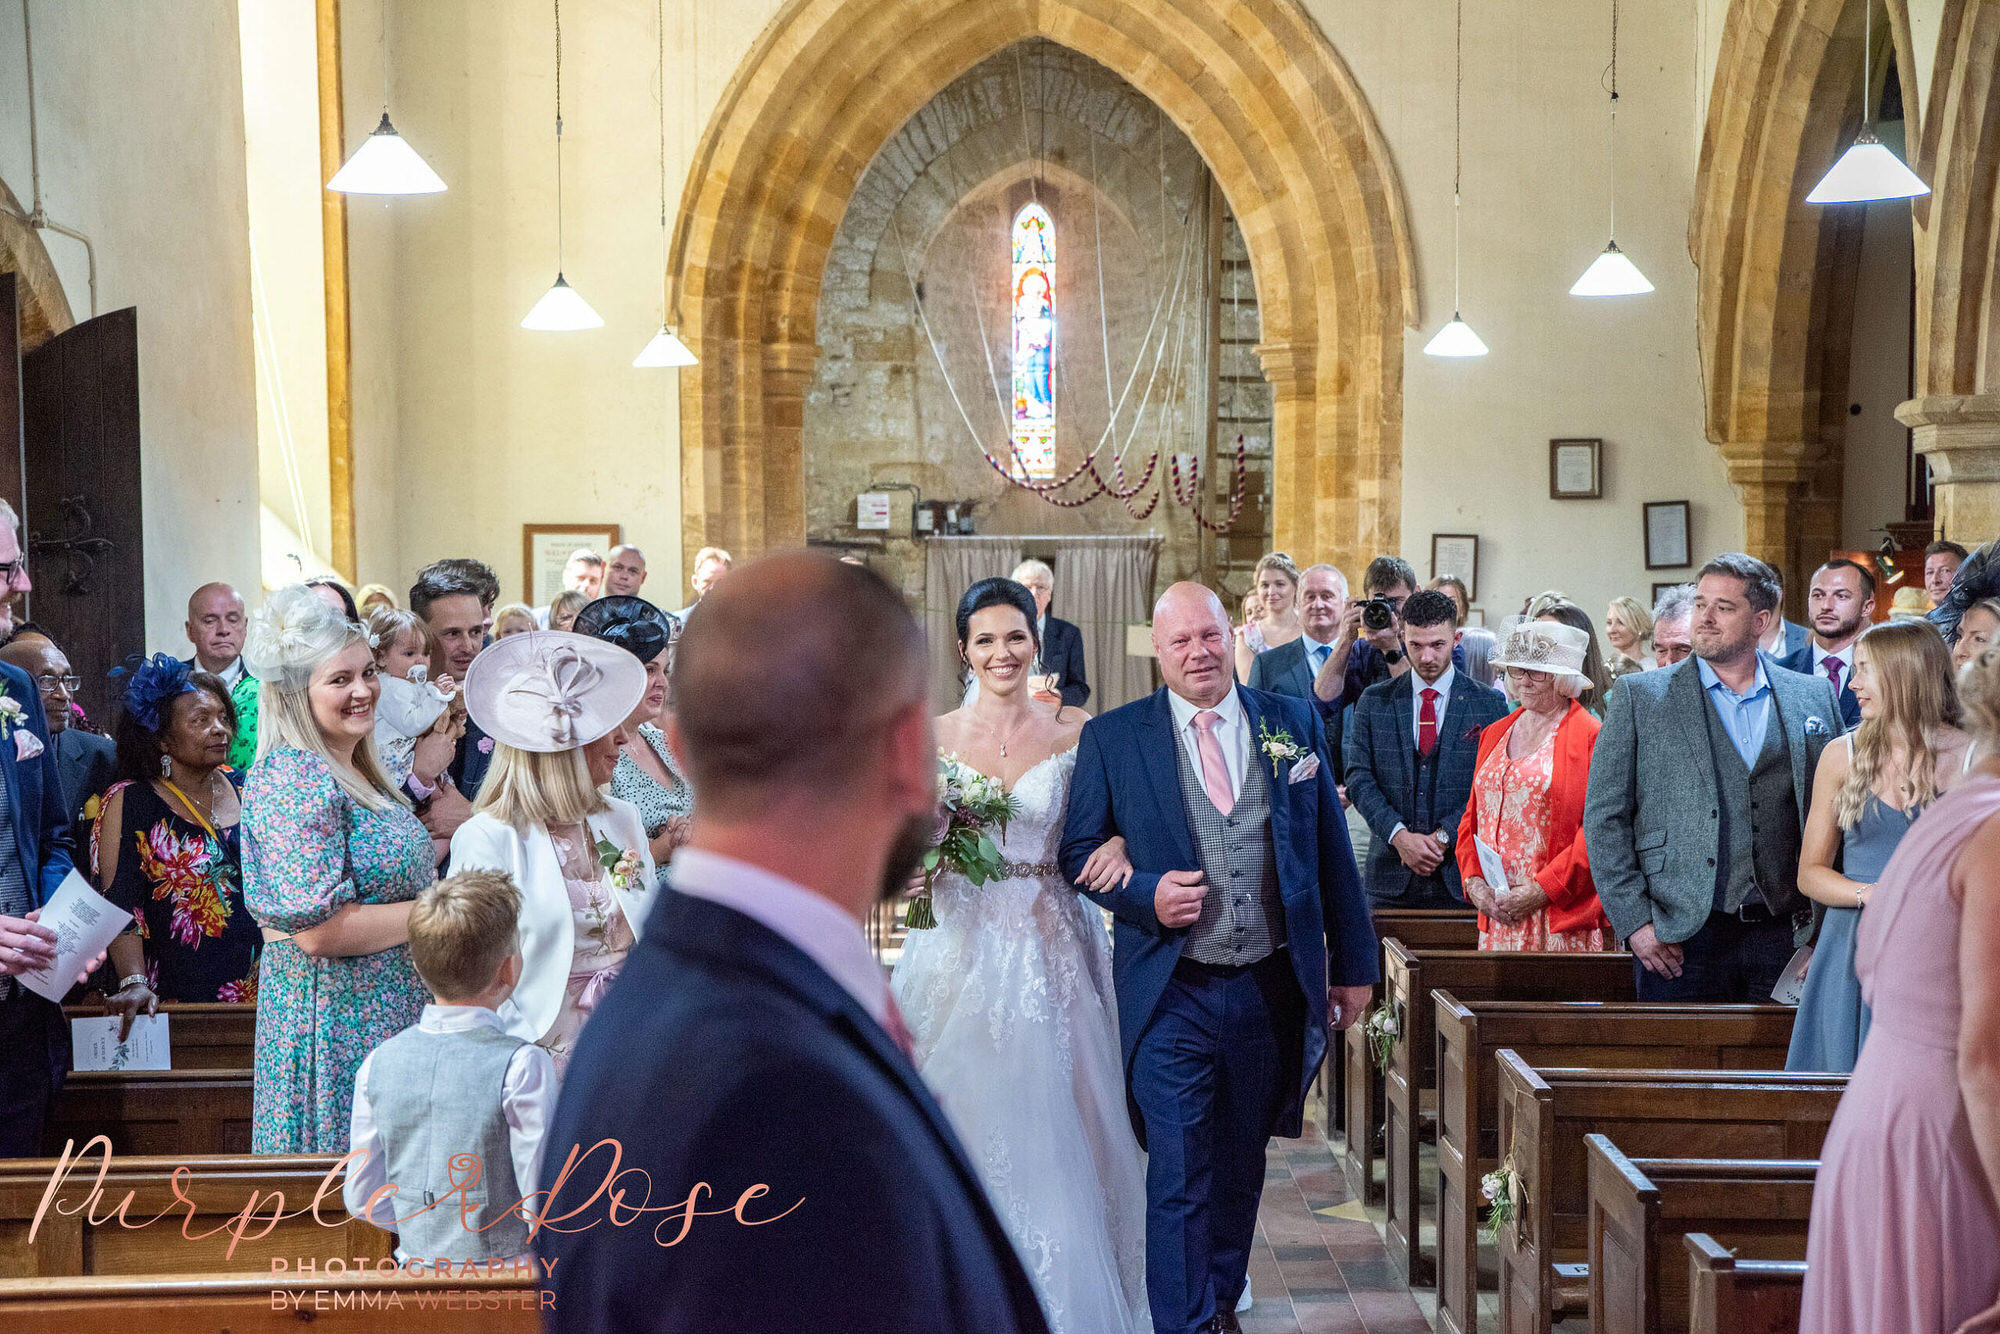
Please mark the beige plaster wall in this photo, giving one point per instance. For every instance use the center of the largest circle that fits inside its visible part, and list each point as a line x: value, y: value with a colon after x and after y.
x: 142, y: 148
x: 1878, y: 376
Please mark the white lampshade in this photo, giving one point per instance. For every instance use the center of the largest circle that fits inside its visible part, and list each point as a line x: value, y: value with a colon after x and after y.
x: 1455, y: 340
x: 1611, y: 274
x: 386, y: 165
x: 561, y: 310
x: 1869, y: 170
x: 666, y: 349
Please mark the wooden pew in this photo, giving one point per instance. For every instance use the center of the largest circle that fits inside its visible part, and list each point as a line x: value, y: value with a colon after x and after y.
x: 185, y: 1112
x: 1640, y: 1207
x: 1418, y: 929
x: 274, y: 1304
x: 1732, y: 1296
x: 1546, y: 1112
x: 66, y: 1246
x: 1409, y: 977
x: 1626, y: 1035
x: 204, y: 1037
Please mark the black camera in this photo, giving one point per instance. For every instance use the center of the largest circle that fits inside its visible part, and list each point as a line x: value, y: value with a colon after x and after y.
x: 1378, y: 614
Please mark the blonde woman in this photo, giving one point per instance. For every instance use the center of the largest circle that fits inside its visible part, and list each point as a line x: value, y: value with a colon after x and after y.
x: 1277, y: 589
x: 1906, y: 1203
x: 555, y: 705
x: 331, y: 860
x: 1628, y: 628
x: 1870, y: 786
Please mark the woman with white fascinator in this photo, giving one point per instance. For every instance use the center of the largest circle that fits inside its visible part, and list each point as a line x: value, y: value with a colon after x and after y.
x: 555, y: 705
x: 332, y: 858
x: 1526, y: 810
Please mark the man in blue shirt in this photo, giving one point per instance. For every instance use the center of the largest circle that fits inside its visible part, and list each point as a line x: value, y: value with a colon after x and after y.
x: 1699, y: 787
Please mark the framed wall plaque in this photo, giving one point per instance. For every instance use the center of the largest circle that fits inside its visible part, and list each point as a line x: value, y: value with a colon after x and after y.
x: 1457, y: 555
x: 545, y: 549
x: 1576, y: 469
x: 1667, y: 535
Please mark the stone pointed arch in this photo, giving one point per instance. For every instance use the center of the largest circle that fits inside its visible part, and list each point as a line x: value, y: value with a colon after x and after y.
x: 1255, y: 86
x: 1774, y: 272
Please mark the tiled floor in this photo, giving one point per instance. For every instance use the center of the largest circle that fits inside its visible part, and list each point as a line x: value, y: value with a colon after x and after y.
x: 1319, y: 1266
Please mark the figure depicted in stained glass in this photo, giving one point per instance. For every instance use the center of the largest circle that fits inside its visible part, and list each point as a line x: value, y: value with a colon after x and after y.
x: 1034, y: 330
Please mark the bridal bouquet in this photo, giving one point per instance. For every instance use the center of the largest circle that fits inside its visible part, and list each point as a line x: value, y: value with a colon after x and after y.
x: 969, y: 803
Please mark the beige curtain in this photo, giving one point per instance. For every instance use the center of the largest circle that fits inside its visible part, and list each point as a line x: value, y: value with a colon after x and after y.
x: 952, y: 565
x: 1104, y: 584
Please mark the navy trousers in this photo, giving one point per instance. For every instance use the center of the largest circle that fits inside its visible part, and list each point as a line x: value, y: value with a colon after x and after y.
x: 1728, y: 961
x: 34, y: 1056
x: 1214, y: 1066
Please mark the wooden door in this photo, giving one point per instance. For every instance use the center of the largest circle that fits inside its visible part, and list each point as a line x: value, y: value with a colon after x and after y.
x: 80, y: 399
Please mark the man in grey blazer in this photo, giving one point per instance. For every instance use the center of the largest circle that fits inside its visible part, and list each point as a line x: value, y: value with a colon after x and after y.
x: 1699, y: 788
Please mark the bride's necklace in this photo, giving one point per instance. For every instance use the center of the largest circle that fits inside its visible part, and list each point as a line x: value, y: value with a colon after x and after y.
x: 1026, y: 718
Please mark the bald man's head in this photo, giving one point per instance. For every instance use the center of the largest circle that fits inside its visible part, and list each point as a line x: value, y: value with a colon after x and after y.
x: 48, y: 668
x: 1192, y: 637
x: 215, y: 626
x: 786, y: 681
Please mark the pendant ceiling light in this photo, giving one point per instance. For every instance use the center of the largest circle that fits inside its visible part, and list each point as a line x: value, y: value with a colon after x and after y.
x: 666, y: 348
x: 561, y: 310
x: 1611, y: 273
x: 1456, y: 339
x: 1869, y: 169
x: 385, y: 164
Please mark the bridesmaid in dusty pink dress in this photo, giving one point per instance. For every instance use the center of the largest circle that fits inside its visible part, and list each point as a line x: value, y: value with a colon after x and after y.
x: 1905, y: 1226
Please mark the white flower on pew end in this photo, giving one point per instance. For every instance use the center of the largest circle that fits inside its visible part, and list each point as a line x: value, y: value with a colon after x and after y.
x: 1384, y: 1029
x: 1498, y: 1187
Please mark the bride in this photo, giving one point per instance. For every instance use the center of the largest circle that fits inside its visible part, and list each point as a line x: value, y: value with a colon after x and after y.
x: 1009, y: 999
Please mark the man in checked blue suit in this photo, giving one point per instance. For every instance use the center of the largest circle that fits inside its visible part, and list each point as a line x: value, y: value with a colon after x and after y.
x: 1241, y: 938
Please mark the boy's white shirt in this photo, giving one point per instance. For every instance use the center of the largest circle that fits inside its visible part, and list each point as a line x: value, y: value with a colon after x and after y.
x: 527, y: 1099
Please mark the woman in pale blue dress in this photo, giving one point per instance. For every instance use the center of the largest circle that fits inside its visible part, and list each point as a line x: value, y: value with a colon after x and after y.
x: 1869, y: 789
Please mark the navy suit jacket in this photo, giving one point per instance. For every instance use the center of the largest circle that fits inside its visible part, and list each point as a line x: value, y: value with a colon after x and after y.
x: 1802, y: 663
x: 725, y: 1055
x: 1284, y: 670
x: 1062, y: 653
x: 1385, y: 783
x: 468, y: 766
x: 1128, y: 781
x: 34, y: 794
x: 86, y: 765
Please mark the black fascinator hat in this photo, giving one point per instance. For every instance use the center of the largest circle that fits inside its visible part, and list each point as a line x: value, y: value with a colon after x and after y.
x: 633, y: 624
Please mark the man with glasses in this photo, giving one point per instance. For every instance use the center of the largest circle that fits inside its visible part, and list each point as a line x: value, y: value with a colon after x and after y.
x: 86, y: 763
x: 14, y: 582
x: 1364, y: 655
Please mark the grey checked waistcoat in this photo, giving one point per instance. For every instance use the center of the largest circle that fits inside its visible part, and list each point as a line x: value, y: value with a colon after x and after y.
x: 435, y: 1097
x: 1758, y: 843
x: 1242, y: 919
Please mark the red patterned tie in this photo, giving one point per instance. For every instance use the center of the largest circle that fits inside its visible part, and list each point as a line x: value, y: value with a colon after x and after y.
x: 1832, y: 666
x: 1427, y: 724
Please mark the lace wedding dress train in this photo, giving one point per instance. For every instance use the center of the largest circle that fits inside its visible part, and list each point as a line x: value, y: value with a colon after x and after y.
x: 1009, y: 1000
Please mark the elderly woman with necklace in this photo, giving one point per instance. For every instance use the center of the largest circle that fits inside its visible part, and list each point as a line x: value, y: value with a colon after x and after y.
x: 647, y: 775
x: 1527, y: 800
x: 555, y: 705
x: 165, y: 848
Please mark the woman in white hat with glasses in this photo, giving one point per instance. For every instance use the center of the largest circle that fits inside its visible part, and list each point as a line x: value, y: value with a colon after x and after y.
x: 1527, y: 800
x: 555, y: 705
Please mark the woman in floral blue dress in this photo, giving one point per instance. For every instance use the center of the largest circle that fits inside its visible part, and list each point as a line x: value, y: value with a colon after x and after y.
x: 332, y: 858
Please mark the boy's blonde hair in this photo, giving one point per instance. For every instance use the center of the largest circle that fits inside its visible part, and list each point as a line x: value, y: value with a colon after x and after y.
x: 462, y: 929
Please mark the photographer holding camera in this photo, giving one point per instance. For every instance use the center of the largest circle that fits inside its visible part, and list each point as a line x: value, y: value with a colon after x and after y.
x: 1370, y: 648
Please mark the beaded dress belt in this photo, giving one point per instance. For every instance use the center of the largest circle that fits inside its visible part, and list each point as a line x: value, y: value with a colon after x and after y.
x: 1028, y: 870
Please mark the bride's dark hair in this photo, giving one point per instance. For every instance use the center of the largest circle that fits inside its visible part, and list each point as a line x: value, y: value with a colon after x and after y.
x: 996, y: 593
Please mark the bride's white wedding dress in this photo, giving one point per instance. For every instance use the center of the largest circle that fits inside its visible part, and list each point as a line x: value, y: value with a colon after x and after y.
x: 1009, y: 1000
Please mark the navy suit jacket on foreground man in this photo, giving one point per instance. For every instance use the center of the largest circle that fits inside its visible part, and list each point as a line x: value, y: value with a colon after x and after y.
x: 748, y: 1043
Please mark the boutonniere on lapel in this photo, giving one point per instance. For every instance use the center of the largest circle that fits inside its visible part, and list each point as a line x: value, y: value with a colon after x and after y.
x: 1279, y: 747
x: 621, y: 862
x: 26, y: 744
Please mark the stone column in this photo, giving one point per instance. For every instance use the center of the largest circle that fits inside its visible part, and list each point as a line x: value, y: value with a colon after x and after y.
x: 1960, y: 435
x: 1768, y: 473
x: 1289, y: 366
x: 780, y: 512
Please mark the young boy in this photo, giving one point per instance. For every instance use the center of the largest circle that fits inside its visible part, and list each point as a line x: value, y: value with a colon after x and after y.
x: 455, y: 1085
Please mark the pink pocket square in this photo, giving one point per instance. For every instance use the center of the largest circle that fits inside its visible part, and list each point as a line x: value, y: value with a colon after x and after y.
x: 26, y: 744
x: 1304, y: 769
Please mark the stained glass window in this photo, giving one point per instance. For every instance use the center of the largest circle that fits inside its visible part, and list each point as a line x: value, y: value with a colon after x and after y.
x: 1034, y: 248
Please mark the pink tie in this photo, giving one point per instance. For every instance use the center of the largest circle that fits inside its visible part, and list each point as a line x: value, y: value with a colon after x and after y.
x: 898, y: 1031
x: 1833, y: 666
x: 1214, y: 770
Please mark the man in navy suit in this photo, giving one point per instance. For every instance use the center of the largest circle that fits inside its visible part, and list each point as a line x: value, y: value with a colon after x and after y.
x: 751, y: 1040
x: 455, y: 597
x: 1295, y: 667
x: 1240, y: 939
x: 1840, y: 605
x: 34, y: 860
x: 1062, y: 643
x: 1411, y: 750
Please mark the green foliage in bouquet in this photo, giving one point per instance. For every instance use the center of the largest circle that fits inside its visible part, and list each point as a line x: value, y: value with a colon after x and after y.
x: 969, y: 804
